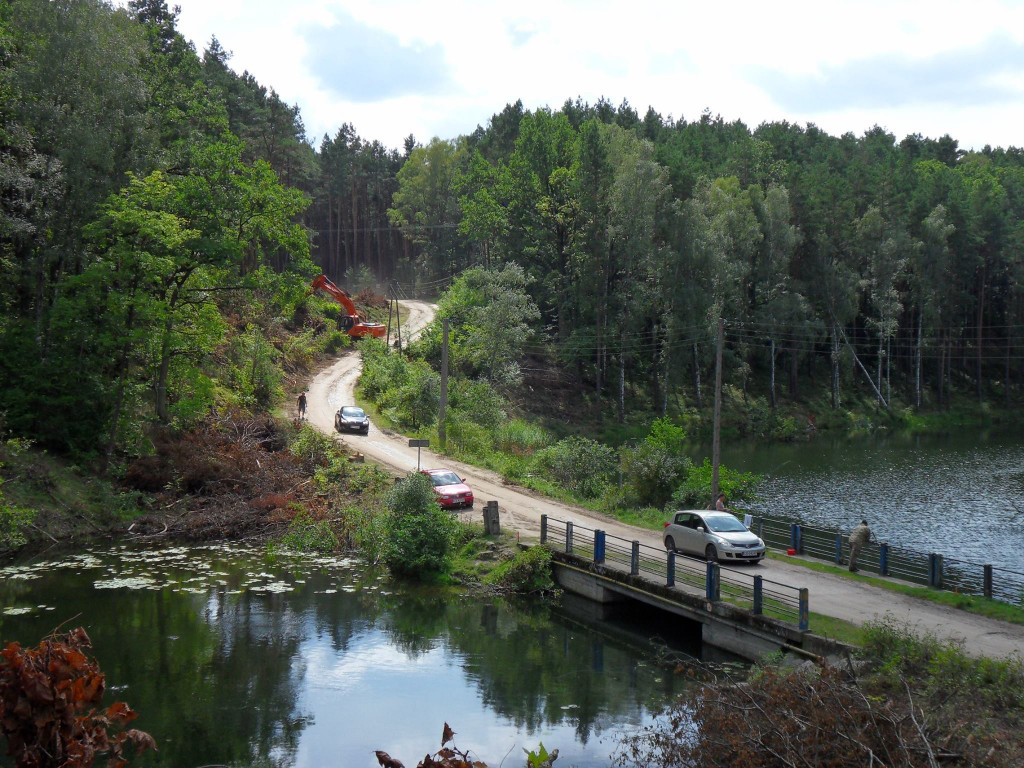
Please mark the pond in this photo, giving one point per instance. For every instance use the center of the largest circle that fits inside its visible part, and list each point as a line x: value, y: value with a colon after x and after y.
x: 318, y: 661
x: 959, y: 494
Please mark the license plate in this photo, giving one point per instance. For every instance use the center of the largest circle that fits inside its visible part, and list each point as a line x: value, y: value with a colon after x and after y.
x: 751, y: 554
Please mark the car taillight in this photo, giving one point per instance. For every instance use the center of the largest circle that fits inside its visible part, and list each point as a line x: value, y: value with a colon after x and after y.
x: 667, y: 524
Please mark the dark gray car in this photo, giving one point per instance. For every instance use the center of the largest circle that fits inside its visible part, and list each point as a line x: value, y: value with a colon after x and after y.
x: 716, y: 536
x: 351, y: 419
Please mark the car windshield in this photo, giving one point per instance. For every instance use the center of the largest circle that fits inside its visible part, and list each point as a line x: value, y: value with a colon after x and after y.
x: 350, y: 412
x: 724, y: 523
x: 444, y: 478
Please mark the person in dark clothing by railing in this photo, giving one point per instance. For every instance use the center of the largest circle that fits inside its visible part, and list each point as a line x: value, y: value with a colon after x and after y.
x: 860, y: 536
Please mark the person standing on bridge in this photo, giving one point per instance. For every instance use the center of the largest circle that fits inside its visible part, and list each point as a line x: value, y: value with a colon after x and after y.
x: 302, y: 406
x: 860, y: 536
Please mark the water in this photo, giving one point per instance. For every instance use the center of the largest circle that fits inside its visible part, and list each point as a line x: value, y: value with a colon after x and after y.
x: 959, y: 494
x: 318, y: 662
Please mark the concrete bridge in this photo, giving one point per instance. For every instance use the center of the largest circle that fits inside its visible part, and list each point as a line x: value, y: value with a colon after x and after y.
x: 736, y: 610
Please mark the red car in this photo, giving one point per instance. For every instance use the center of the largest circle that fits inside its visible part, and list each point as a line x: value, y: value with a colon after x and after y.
x: 452, y: 491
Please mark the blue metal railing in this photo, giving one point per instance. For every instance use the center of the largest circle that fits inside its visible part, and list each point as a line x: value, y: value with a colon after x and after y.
x: 750, y: 591
x: 926, y: 568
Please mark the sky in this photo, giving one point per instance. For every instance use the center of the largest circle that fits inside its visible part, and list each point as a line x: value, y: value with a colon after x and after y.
x: 395, y: 67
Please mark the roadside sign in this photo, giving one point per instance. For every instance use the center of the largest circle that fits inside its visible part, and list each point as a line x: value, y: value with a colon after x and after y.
x: 418, y: 444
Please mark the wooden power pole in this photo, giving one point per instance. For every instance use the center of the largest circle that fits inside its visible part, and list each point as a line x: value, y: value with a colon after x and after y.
x: 716, y: 440
x: 441, y: 436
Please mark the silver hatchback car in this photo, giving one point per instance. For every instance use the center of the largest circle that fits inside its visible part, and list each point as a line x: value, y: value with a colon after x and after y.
x: 716, y: 536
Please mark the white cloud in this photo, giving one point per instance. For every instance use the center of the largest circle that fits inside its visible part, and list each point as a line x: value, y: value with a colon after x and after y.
x: 402, y: 67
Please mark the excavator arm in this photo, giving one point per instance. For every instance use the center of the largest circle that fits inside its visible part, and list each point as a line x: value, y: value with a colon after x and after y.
x: 351, y: 322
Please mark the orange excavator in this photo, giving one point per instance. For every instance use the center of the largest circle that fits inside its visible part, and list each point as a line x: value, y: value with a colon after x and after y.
x: 350, y: 322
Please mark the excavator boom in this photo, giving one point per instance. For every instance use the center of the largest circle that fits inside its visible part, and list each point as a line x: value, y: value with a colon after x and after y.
x: 351, y: 322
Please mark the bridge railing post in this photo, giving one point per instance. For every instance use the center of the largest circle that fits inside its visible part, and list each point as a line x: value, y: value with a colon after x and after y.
x: 987, y: 582
x: 568, y: 538
x: 934, y: 570
x: 712, y: 583
x: 758, y: 608
x: 883, y: 559
x: 634, y: 559
x: 670, y: 570
x: 599, y: 547
x: 805, y: 612
x: 839, y: 549
x: 796, y: 539
x: 543, y: 529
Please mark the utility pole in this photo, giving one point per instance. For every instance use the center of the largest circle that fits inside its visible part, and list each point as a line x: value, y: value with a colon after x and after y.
x: 398, y: 318
x: 444, y: 383
x: 716, y: 440
x: 390, y: 304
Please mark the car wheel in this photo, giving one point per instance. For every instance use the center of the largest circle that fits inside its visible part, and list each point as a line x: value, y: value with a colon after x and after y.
x: 337, y: 426
x: 366, y: 431
x: 711, y: 553
x: 670, y: 544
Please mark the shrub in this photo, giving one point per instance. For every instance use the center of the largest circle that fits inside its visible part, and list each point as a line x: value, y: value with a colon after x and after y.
x: 312, y: 447
x: 308, y: 535
x: 421, y: 535
x: 520, y: 437
x: 528, y: 571
x: 478, y: 402
x: 254, y: 373
x: 579, y: 464
x: 695, y: 492
x: 655, y: 467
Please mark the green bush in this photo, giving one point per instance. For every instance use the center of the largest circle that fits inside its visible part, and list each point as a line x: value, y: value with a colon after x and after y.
x: 313, y: 447
x: 528, y: 571
x: 520, y: 437
x: 332, y: 341
x: 579, y: 464
x: 254, y: 372
x: 695, y: 492
x: 371, y: 531
x: 13, y: 522
x: 478, y: 402
x: 655, y: 467
x: 421, y: 535
x: 308, y: 535
x: 467, y: 438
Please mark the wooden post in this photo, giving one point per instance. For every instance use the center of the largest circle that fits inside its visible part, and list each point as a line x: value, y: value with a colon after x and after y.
x: 716, y: 439
x: 398, y: 320
x: 492, y: 525
x: 391, y: 303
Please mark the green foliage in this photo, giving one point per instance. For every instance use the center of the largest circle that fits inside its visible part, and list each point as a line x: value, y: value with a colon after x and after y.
x: 13, y: 522
x: 538, y: 758
x: 655, y: 467
x: 369, y: 479
x: 308, y: 535
x: 695, y: 492
x: 313, y: 447
x: 254, y: 375
x: 421, y: 535
x: 527, y: 572
x: 579, y: 464
x: 371, y: 531
x: 520, y: 437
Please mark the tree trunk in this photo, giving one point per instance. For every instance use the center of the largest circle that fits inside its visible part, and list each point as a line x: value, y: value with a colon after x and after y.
x: 696, y: 376
x: 622, y: 373
x: 793, y: 371
x: 981, y: 320
x: 942, y: 371
x: 771, y: 373
x: 917, y: 363
x: 836, y: 396
x: 1006, y: 371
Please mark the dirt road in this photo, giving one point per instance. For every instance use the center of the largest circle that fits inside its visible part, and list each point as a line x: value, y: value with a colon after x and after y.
x: 521, y: 510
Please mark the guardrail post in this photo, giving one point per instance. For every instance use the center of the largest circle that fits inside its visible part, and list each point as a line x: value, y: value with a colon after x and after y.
x: 796, y: 539
x: 670, y: 570
x: 712, y: 584
x: 634, y: 559
x: 543, y: 529
x: 839, y: 549
x: 760, y: 527
x: 987, y: 581
x: 883, y: 559
x: 598, y: 547
x: 805, y: 614
x: 934, y: 570
x: 568, y: 538
x: 758, y: 595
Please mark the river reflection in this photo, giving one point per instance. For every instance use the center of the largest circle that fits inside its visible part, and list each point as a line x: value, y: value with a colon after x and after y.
x: 318, y: 662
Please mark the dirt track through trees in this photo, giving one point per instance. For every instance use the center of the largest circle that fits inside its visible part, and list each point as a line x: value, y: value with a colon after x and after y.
x: 521, y: 510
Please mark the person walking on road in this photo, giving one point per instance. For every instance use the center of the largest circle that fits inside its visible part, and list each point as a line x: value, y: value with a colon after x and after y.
x: 302, y: 406
x: 860, y: 536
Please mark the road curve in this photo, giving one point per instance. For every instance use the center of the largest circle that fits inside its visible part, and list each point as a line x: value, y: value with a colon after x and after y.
x: 521, y: 510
